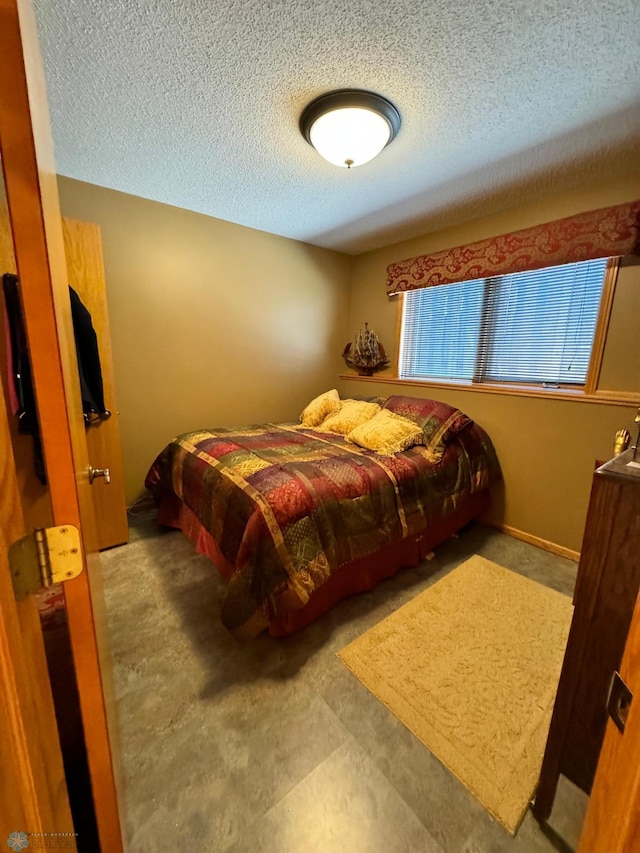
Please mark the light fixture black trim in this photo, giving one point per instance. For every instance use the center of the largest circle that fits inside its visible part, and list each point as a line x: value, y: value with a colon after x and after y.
x: 341, y: 98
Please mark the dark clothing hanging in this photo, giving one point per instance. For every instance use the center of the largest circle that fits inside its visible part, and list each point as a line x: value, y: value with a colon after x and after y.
x: 27, y: 414
x: 21, y: 372
x: 89, y: 370
x: 88, y: 359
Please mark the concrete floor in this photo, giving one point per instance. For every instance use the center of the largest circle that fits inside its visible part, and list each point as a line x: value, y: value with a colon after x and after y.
x: 273, y: 745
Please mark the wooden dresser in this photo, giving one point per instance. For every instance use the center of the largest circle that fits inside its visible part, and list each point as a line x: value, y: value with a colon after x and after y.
x: 606, y: 590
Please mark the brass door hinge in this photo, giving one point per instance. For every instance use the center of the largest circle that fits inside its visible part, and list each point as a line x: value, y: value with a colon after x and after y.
x: 48, y: 555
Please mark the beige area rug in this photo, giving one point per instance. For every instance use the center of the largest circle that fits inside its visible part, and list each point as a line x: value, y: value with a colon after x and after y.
x: 471, y: 667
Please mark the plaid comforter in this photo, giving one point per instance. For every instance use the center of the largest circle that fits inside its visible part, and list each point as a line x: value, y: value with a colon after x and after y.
x: 287, y: 505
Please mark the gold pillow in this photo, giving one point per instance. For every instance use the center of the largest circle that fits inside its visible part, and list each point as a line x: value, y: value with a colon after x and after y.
x: 351, y: 414
x: 387, y: 433
x: 320, y: 407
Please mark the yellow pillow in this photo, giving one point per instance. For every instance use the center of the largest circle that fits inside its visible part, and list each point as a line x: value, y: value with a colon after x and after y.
x: 387, y: 433
x: 320, y: 407
x: 351, y: 414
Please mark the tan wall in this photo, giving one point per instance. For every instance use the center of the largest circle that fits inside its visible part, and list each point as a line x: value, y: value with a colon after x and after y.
x: 211, y: 323
x: 547, y: 448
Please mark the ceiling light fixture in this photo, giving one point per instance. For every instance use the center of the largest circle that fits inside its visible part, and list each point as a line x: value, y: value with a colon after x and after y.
x: 349, y: 127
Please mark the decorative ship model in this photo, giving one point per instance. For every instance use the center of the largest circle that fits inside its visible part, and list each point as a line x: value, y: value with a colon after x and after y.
x: 366, y: 354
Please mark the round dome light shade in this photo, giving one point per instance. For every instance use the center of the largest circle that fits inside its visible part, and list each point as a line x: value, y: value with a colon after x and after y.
x: 349, y: 127
x: 350, y: 136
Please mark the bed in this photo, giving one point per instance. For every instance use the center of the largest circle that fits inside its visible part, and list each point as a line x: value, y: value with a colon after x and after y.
x: 295, y: 518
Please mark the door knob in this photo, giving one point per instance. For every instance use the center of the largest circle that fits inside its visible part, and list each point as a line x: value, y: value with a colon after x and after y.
x: 99, y: 472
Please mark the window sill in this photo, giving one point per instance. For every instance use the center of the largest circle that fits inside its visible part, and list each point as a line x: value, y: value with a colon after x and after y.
x: 609, y: 398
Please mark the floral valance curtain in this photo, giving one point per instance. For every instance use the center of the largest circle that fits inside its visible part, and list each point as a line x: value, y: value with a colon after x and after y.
x: 605, y: 233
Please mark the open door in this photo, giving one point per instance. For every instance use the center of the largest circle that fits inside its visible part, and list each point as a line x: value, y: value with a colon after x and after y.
x: 33, y: 209
x: 612, y: 824
x: 33, y: 793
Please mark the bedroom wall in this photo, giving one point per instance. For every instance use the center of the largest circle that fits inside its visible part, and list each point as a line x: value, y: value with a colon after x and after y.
x: 547, y: 448
x: 212, y: 323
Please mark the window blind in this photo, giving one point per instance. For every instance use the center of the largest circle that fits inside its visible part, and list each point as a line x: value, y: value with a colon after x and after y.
x: 530, y: 327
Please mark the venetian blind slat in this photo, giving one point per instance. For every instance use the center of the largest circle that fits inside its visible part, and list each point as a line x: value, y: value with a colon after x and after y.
x: 530, y: 327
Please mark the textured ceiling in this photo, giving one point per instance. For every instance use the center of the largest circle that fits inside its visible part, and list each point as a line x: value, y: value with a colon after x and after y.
x: 196, y: 103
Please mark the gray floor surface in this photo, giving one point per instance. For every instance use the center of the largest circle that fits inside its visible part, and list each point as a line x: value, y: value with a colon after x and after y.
x: 274, y: 745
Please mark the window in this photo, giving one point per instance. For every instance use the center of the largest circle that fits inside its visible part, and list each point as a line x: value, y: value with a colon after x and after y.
x: 529, y: 328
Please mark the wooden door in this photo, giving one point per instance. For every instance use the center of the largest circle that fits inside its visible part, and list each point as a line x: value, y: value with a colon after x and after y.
x: 612, y: 824
x: 33, y: 793
x: 85, y: 269
x: 27, y: 155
